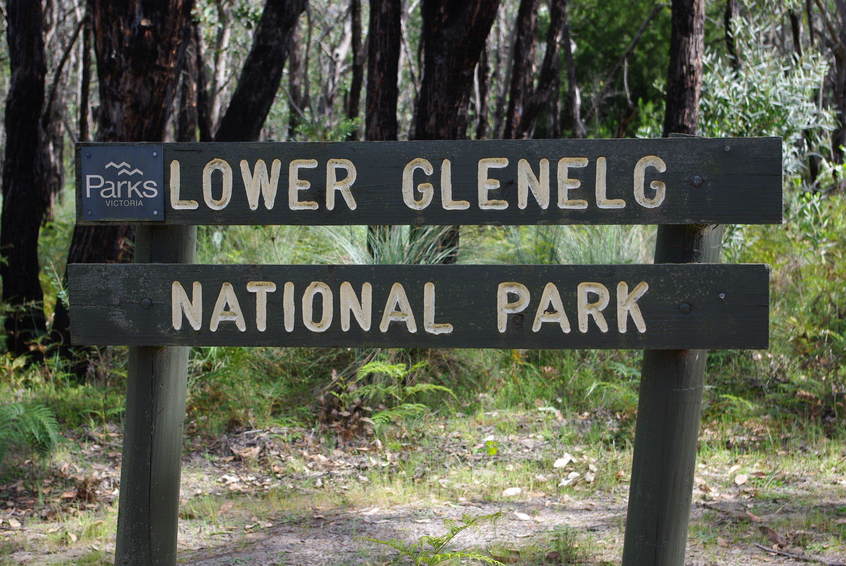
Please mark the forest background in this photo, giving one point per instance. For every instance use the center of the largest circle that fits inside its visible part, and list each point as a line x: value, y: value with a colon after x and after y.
x: 300, y: 70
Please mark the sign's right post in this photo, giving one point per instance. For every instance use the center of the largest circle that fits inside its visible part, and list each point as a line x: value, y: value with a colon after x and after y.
x: 667, y: 426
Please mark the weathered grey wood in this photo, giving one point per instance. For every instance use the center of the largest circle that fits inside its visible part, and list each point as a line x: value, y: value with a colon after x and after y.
x: 713, y: 306
x: 727, y: 181
x: 155, y: 408
x: 667, y: 427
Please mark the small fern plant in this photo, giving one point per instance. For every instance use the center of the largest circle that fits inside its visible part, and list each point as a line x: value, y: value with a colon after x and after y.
x: 27, y: 426
x: 429, y: 549
x: 393, y: 393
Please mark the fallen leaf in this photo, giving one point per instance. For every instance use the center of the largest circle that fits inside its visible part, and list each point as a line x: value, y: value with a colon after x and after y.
x: 14, y: 523
x: 512, y: 492
x: 522, y: 516
x: 740, y: 479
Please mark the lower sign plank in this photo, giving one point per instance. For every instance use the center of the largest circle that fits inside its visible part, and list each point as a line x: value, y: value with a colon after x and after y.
x: 465, y: 306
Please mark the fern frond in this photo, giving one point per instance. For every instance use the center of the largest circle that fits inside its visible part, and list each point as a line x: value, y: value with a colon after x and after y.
x: 427, y: 388
x: 27, y: 426
x: 399, y: 546
x: 399, y: 413
x: 394, y: 371
x: 448, y: 556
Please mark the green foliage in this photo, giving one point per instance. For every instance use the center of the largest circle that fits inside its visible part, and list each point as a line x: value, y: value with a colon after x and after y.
x: 430, y: 549
x: 27, y: 427
x: 578, y: 244
x: 389, y: 386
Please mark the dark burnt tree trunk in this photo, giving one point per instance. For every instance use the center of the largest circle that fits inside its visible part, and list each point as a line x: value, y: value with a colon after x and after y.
x: 85, y: 80
x: 138, y: 60
x: 796, y: 31
x: 838, y: 43
x: 685, y: 72
x: 453, y: 36
x: 25, y: 199
x: 384, y: 39
x: 354, y: 97
x: 545, y: 93
x: 296, y: 100
x: 482, y: 70
x: 522, y: 70
x: 262, y: 72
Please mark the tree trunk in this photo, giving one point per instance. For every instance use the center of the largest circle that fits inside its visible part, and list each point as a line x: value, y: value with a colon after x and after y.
x: 729, y: 15
x: 574, y: 96
x: 25, y: 200
x: 685, y: 72
x: 354, y: 100
x: 796, y: 31
x: 204, y: 121
x: 220, y: 62
x: 85, y: 81
x: 383, y: 52
x: 522, y: 70
x: 839, y: 94
x: 453, y: 36
x: 384, y: 39
x: 482, y: 70
x: 262, y: 72
x: 138, y: 58
x: 187, y: 119
x: 545, y: 93
x: 295, y: 90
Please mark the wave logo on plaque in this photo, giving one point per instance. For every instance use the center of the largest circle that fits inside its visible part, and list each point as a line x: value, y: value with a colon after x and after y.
x: 122, y: 183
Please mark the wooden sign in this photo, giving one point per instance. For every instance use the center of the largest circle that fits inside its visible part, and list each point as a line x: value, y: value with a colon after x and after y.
x: 613, y: 181
x: 506, y: 306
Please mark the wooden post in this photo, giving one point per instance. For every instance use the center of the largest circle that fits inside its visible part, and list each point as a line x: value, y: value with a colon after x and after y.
x: 668, y: 424
x: 155, y: 409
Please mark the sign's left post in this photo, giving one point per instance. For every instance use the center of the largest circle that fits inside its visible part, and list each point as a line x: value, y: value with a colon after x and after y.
x: 126, y: 183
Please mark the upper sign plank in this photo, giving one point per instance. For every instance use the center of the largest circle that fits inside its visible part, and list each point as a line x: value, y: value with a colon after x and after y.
x: 615, y: 181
